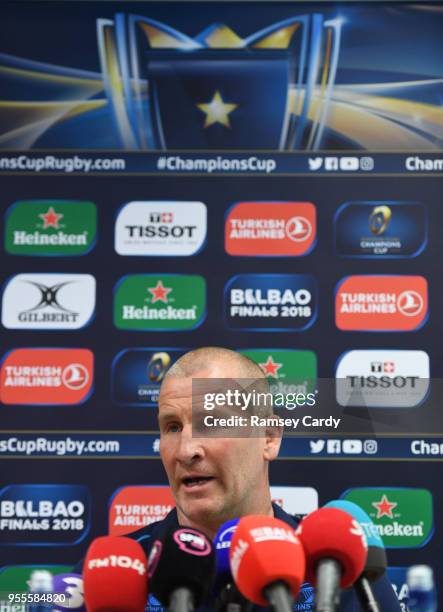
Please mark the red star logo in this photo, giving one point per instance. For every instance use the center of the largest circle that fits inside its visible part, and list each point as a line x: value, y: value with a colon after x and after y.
x: 51, y: 218
x: 159, y: 293
x: 270, y: 368
x: 384, y: 507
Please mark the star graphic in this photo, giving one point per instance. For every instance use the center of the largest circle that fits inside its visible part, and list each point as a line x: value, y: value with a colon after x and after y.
x: 51, y: 218
x: 159, y: 293
x: 384, y: 507
x: 270, y: 368
x: 217, y: 111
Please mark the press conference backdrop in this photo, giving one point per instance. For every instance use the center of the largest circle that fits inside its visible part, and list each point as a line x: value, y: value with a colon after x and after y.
x: 261, y: 176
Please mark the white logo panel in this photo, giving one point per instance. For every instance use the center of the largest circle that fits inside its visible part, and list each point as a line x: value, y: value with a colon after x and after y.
x: 160, y: 228
x: 382, y: 378
x: 295, y: 500
x: 48, y: 301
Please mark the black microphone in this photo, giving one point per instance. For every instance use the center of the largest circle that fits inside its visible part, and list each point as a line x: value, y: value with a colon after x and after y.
x: 229, y: 598
x: 376, y: 561
x: 181, y: 568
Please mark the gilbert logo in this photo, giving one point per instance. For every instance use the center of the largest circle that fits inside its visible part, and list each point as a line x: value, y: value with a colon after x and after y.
x: 270, y: 229
x: 50, y: 227
x: 382, y: 378
x: 159, y: 302
x: 48, y: 301
x: 42, y: 376
x: 134, y: 507
x: 160, y: 228
x: 403, y: 517
x: 381, y: 303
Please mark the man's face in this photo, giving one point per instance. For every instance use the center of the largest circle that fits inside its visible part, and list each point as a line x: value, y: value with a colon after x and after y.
x: 212, y: 479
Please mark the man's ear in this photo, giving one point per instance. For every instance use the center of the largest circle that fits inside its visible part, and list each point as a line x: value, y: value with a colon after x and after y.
x: 273, y: 437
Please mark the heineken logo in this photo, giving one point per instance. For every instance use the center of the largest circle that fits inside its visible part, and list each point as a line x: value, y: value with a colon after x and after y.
x: 271, y: 367
x: 287, y: 371
x: 154, y: 302
x: 50, y: 227
x: 403, y: 517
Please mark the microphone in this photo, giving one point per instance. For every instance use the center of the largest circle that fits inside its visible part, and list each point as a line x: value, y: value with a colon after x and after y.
x: 229, y: 598
x: 115, y: 575
x: 376, y: 560
x: 71, y: 585
x: 267, y: 561
x: 181, y: 568
x: 336, y: 551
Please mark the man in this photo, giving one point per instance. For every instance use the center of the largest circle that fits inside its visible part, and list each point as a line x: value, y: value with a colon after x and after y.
x: 215, y: 479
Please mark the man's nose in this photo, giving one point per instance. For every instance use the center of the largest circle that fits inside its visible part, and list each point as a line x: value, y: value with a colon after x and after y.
x: 190, y: 448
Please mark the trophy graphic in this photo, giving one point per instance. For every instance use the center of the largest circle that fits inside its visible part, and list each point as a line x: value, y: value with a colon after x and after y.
x: 269, y: 91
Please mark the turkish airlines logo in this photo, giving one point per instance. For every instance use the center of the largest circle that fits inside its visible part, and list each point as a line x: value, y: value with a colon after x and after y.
x: 134, y: 507
x: 381, y: 303
x: 270, y: 229
x: 48, y: 301
x: 41, y: 376
x: 161, y: 228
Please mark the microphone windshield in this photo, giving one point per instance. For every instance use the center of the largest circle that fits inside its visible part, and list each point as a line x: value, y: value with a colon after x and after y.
x: 115, y: 575
x: 183, y: 557
x: 332, y: 533
x: 376, y: 561
x: 265, y: 550
x: 222, y: 546
x: 71, y: 585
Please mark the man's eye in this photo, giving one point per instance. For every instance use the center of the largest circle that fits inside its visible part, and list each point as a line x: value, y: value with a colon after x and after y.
x: 172, y: 428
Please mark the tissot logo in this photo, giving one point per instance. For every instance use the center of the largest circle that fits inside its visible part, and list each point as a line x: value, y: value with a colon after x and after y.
x: 271, y: 301
x: 270, y: 229
x: 42, y: 376
x: 381, y: 229
x: 41, y: 515
x: 48, y: 301
x: 382, y: 378
x: 381, y: 303
x: 160, y: 228
x: 50, y: 227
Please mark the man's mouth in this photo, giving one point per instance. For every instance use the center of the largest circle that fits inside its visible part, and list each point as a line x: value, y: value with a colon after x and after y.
x: 196, y: 481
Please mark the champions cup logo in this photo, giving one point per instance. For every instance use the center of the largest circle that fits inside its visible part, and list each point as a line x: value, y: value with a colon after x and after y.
x: 271, y: 90
x: 40, y: 376
x: 138, y: 373
x: 381, y: 303
x: 270, y: 229
x: 381, y: 229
